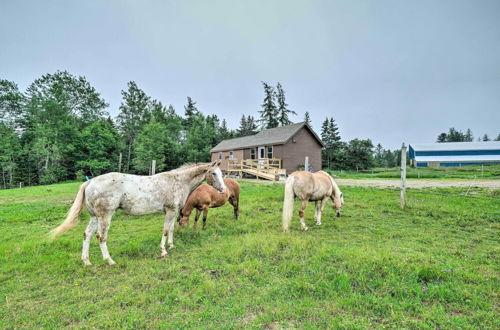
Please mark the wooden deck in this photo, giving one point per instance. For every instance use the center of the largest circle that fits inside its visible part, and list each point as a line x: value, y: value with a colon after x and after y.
x: 264, y: 168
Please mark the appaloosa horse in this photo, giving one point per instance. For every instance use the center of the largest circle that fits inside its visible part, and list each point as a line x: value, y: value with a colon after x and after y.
x: 317, y: 187
x: 164, y: 192
x: 205, y: 197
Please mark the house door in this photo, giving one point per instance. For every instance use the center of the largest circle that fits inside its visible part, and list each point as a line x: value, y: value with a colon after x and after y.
x: 261, y: 156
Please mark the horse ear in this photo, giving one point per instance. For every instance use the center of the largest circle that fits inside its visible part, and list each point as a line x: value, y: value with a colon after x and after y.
x: 218, y: 162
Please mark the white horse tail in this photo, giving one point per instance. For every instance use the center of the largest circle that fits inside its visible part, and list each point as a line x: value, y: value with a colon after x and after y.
x: 288, y: 203
x: 73, y: 213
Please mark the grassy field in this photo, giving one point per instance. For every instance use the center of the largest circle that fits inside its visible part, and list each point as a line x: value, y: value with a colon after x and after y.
x: 432, y: 265
x: 465, y: 172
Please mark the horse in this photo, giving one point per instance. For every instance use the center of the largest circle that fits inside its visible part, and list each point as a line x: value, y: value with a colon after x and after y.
x: 164, y: 192
x: 205, y: 197
x: 307, y: 186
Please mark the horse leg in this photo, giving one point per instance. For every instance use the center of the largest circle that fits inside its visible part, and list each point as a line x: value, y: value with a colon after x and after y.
x: 205, y: 213
x: 102, y: 235
x: 316, y: 212
x: 168, y: 231
x: 87, y: 236
x: 196, y: 218
x: 235, y: 201
x: 320, y: 209
x: 303, y: 206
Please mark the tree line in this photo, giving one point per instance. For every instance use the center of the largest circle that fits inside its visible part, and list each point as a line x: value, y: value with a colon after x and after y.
x: 454, y: 135
x: 59, y: 129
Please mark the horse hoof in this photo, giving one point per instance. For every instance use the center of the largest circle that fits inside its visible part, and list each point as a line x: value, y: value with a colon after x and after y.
x: 87, y: 263
x: 318, y: 224
x: 305, y: 228
x: 171, y: 247
x: 111, y: 262
x: 164, y: 254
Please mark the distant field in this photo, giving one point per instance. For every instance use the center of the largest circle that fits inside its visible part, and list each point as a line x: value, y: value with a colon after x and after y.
x: 465, y: 172
x: 434, y: 265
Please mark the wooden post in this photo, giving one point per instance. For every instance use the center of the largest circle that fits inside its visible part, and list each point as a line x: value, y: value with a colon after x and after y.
x: 403, y: 176
x: 306, y: 164
x: 153, y: 167
x: 120, y: 163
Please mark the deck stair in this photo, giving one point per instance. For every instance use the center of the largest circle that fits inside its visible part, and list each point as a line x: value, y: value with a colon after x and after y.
x: 265, y: 168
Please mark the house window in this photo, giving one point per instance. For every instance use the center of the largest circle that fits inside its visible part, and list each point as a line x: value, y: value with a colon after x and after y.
x: 270, y: 152
x: 261, y: 152
x: 231, y: 155
x: 219, y: 156
x: 253, y: 153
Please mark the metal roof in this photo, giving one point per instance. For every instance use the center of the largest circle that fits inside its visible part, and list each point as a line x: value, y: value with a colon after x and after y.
x: 271, y: 136
x: 478, y: 158
x: 487, y: 145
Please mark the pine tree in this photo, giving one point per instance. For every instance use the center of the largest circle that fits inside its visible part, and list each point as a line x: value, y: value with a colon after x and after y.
x: 248, y: 126
x: 224, y: 132
x: 150, y: 144
x: 307, y: 119
x: 486, y: 137
x: 269, y: 112
x: 283, y: 111
x: 190, y: 111
x: 498, y: 138
x: 468, y: 136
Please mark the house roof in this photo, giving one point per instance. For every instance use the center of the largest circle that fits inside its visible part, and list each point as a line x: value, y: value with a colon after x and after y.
x: 271, y: 136
x: 488, y: 145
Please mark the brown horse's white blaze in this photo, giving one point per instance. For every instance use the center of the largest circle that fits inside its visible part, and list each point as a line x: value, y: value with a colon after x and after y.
x: 164, y: 192
x: 317, y: 187
x: 205, y: 197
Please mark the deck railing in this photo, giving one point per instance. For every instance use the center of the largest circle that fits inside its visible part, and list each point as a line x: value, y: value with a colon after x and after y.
x: 266, y: 165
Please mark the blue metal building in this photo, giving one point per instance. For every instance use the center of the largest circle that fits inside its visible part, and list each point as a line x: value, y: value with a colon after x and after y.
x: 454, y: 153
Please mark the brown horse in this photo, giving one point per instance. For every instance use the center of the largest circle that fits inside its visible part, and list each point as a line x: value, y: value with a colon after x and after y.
x: 206, y: 196
x: 308, y: 186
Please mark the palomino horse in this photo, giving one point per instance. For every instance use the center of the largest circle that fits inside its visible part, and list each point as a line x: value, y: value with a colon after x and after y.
x: 163, y: 192
x: 317, y: 187
x: 205, y: 197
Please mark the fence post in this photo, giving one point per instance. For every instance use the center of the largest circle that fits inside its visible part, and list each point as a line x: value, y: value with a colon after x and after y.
x: 153, y: 167
x: 403, y: 177
x: 306, y: 164
x: 120, y: 163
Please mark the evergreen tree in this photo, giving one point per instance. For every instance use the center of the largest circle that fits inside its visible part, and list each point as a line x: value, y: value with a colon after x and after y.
x: 486, y: 137
x: 224, y: 132
x: 269, y: 113
x: 443, y: 137
x: 498, y: 138
x: 307, y: 119
x: 283, y: 111
x: 135, y: 112
x: 190, y: 111
x: 248, y: 126
x: 468, y: 137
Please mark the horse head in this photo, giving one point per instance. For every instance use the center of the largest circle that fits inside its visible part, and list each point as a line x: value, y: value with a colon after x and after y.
x: 214, y: 177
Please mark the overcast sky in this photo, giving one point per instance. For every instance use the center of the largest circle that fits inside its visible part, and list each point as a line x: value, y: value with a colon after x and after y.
x: 391, y: 71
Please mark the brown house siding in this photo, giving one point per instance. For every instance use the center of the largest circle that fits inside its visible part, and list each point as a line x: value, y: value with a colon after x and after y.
x: 237, y: 154
x: 293, y: 154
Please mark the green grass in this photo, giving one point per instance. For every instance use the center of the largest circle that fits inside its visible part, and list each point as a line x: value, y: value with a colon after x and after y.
x: 432, y: 265
x: 465, y: 172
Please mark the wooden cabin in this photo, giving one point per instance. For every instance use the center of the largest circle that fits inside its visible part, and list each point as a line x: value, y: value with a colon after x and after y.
x: 271, y: 152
